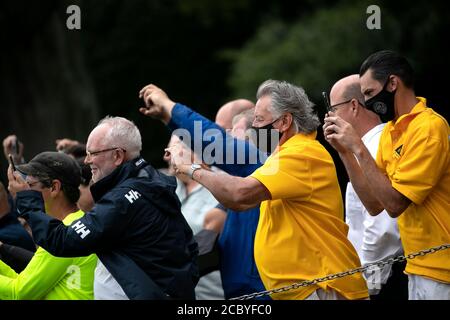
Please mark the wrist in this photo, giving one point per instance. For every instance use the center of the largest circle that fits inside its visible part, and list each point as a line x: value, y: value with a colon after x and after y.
x: 345, y: 154
x: 168, y: 107
x: 192, y: 169
x: 182, y: 169
x: 358, y: 150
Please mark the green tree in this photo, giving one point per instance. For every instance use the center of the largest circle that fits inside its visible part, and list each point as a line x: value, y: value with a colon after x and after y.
x: 46, y: 91
x: 312, y: 52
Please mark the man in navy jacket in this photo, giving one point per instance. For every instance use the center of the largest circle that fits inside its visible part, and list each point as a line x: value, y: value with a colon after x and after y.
x: 145, y: 247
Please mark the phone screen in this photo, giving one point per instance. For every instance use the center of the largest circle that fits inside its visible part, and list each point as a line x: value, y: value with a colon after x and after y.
x: 326, y: 99
x: 11, y: 161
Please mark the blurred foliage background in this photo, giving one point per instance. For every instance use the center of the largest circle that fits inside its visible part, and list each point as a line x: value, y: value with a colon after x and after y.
x: 59, y: 83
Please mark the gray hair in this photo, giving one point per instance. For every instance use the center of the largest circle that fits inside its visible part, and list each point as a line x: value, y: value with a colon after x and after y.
x: 124, y: 134
x: 288, y: 98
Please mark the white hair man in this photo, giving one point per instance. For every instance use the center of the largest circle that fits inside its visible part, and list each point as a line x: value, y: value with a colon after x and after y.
x: 145, y: 247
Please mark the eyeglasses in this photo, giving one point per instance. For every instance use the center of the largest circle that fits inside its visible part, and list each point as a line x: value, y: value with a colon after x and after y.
x: 332, y: 108
x: 95, y: 153
x: 46, y: 183
x: 32, y: 184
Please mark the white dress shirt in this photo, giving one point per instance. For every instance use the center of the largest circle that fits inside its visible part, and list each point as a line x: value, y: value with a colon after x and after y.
x: 105, y: 286
x: 374, y: 237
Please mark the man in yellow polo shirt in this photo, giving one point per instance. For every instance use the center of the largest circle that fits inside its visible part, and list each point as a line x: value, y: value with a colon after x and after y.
x: 301, y: 234
x: 411, y: 175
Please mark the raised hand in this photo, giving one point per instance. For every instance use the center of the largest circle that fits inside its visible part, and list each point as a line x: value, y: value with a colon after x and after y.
x: 157, y: 103
x: 64, y: 144
x: 11, y: 145
x: 16, y: 182
x: 180, y: 157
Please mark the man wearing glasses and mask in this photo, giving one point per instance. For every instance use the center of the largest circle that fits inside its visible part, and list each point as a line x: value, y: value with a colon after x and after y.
x: 410, y: 178
x: 145, y: 247
x: 374, y: 238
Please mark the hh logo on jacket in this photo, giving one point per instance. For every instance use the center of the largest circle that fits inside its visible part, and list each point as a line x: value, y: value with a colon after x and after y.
x: 81, y: 229
x: 132, y: 196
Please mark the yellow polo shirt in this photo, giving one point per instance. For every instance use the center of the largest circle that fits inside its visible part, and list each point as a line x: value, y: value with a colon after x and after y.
x: 414, y: 152
x: 301, y: 233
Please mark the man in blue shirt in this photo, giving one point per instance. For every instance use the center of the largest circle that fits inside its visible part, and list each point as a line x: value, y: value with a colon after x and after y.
x: 236, y: 157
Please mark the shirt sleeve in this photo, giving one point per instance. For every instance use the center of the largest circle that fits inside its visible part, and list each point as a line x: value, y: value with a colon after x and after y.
x: 423, y: 163
x: 6, y: 270
x: 97, y: 230
x: 16, y: 257
x: 286, y: 175
x: 221, y: 207
x: 40, y: 276
x: 381, y: 237
x: 234, y: 156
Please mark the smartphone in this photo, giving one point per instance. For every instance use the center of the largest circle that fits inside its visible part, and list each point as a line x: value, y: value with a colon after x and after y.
x: 326, y: 100
x: 13, y: 166
x: 11, y: 162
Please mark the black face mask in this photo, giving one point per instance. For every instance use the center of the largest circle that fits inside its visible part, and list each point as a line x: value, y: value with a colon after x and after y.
x: 267, y: 137
x: 383, y: 104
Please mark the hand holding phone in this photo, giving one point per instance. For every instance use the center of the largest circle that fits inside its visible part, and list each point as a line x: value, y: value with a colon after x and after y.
x: 13, y: 167
x: 15, y: 183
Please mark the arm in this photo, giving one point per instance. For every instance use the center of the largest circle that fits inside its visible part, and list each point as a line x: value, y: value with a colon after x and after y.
x: 16, y: 257
x: 83, y: 237
x: 393, y: 201
x: 6, y: 270
x: 236, y: 193
x: 339, y: 132
x: 360, y: 184
x: 237, y: 157
x: 355, y: 174
x: 40, y: 276
x: 218, y: 148
x: 215, y: 220
x: 96, y: 230
x: 233, y: 192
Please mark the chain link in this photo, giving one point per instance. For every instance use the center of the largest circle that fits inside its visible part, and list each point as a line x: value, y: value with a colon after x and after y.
x: 379, y: 264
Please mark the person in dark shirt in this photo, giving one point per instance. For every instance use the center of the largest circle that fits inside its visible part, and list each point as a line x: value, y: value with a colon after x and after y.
x: 11, y: 231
